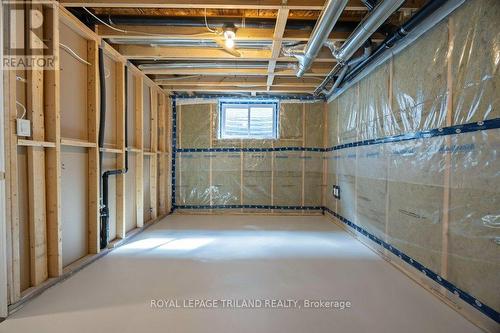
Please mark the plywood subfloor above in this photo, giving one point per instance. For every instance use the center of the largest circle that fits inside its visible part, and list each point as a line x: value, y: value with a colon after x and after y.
x: 238, y: 257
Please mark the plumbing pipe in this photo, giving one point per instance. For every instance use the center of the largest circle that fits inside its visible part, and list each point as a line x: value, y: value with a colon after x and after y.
x: 104, y: 211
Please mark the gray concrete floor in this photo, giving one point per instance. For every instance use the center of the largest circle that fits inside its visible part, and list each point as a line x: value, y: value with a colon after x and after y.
x: 191, y: 257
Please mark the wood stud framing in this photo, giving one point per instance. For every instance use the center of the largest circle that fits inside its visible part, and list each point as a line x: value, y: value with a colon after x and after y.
x: 276, y: 47
x: 44, y: 156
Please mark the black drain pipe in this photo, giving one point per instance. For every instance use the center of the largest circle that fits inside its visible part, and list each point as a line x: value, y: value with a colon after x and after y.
x: 104, y: 211
x: 417, y: 18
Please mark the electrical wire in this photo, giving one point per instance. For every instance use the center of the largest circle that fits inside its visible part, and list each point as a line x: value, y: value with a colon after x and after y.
x: 206, y: 24
x: 98, y: 19
x: 73, y: 53
x: 177, y: 78
x: 23, y: 107
x: 107, y: 73
x: 140, y: 32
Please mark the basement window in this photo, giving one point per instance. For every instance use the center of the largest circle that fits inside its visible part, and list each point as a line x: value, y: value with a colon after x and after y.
x: 247, y: 119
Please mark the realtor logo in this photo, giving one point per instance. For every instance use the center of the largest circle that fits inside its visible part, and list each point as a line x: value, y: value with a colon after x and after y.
x: 28, y: 34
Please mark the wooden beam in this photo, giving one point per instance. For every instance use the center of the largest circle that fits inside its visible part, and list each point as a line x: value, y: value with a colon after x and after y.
x: 356, y: 5
x: 139, y: 143
x: 319, y: 69
x: 162, y: 158
x: 149, y: 32
x: 279, y: 30
x: 53, y: 156
x: 36, y: 173
x: 120, y: 143
x: 11, y: 185
x: 243, y: 82
x: 153, y: 165
x: 138, y: 52
x: 93, y: 153
x: 221, y: 4
x: 242, y: 90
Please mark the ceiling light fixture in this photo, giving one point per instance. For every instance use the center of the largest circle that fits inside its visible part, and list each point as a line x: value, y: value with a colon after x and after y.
x: 229, y: 35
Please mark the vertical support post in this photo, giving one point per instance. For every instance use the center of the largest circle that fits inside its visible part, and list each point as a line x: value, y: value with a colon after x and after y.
x: 93, y: 153
x: 324, y: 182
x: 388, y: 156
x: 303, y: 176
x: 11, y: 185
x: 447, y: 157
x: 53, y: 156
x: 153, y: 165
x: 169, y: 150
x: 4, y: 301
x: 174, y: 152
x: 120, y: 142
x: 162, y: 157
x: 36, y: 173
x: 210, y: 162
x: 139, y: 156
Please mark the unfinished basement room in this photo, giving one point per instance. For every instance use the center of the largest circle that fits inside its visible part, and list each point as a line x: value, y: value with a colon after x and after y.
x: 241, y: 166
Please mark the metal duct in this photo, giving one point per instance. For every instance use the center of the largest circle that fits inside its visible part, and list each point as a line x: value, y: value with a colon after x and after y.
x: 343, y: 71
x: 319, y: 35
x: 366, y: 28
x: 244, y: 65
x: 207, y: 42
x: 427, y: 17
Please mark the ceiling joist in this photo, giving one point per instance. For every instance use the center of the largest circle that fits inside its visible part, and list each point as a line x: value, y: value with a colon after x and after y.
x: 356, y: 5
x: 319, y: 69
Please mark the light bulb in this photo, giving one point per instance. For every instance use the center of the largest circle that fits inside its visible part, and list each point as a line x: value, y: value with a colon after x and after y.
x: 229, y: 43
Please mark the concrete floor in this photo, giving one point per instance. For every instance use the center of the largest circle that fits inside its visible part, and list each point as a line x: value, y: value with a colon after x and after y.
x: 238, y: 257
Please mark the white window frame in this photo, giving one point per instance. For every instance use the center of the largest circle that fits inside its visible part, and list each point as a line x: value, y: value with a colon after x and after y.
x: 248, y: 105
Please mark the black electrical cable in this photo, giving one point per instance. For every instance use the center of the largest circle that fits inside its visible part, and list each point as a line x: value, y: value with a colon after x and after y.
x: 104, y: 211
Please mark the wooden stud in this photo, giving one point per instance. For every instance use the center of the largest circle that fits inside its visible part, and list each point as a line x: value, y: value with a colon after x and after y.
x: 169, y: 154
x: 120, y: 143
x: 162, y: 158
x: 210, y: 161
x: 303, y: 183
x: 447, y: 156
x: 388, y: 155
x: 356, y: 5
x: 153, y: 165
x: 53, y: 156
x: 279, y: 30
x: 36, y: 173
x: 11, y: 185
x: 37, y: 215
x: 139, y: 143
x: 324, y: 182
x: 93, y: 153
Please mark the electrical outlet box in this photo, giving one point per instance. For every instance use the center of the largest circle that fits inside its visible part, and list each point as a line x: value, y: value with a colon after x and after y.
x: 336, y: 191
x: 23, y: 127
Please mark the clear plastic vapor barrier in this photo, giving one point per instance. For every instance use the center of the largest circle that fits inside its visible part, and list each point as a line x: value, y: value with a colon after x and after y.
x: 434, y: 197
x: 250, y: 173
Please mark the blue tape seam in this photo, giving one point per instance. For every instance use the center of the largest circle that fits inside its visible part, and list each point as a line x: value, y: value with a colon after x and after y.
x: 469, y: 299
x: 452, y: 130
x: 249, y: 207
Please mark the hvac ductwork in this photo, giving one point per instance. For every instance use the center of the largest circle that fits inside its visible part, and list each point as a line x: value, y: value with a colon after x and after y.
x: 319, y: 35
x: 366, y: 28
